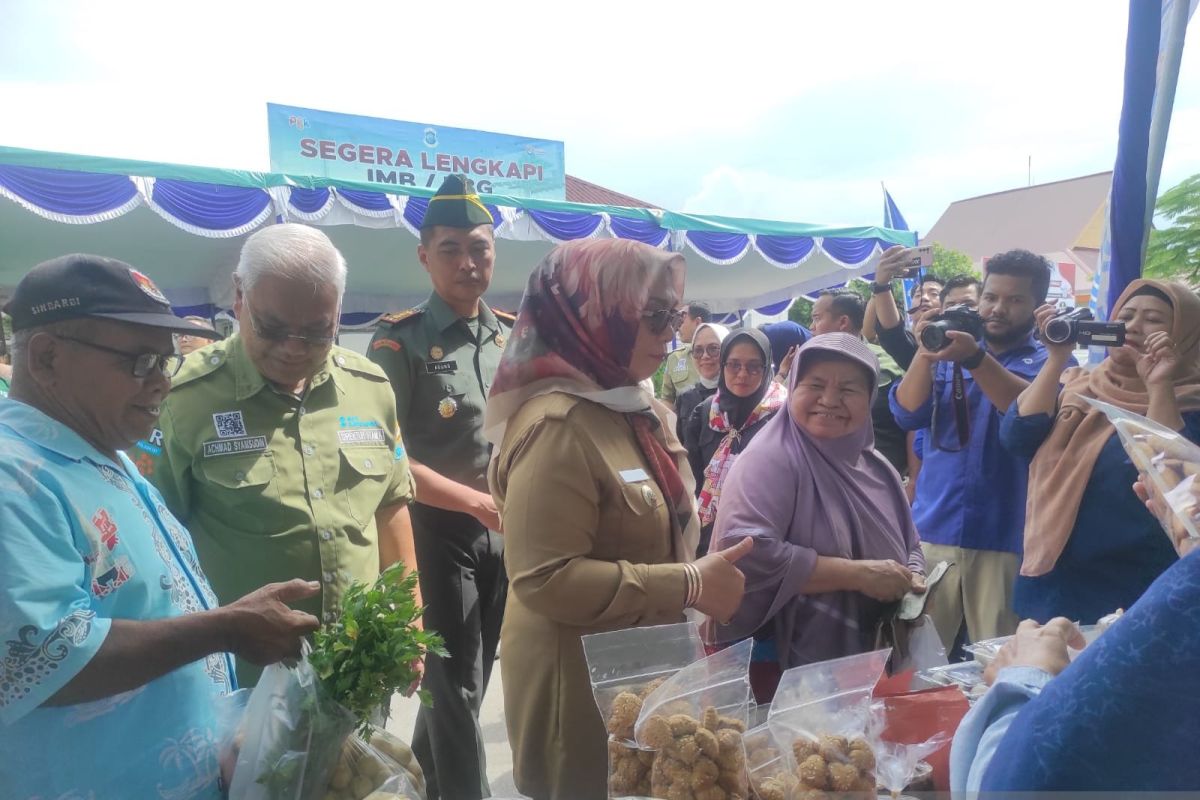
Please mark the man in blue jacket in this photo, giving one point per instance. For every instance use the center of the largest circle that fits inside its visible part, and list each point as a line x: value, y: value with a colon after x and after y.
x: 970, y: 501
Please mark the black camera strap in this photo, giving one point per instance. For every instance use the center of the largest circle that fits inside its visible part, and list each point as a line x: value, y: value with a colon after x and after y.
x: 962, y: 410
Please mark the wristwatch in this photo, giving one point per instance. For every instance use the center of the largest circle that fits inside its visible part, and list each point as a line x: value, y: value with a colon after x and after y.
x: 973, y: 361
x: 880, y: 288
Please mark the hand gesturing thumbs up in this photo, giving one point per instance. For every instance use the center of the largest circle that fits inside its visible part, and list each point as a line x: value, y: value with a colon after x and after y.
x: 723, y: 583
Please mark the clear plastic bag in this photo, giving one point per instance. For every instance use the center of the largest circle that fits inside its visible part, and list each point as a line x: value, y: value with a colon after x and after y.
x: 823, y: 713
x: 925, y: 648
x: 380, y: 767
x: 291, y: 737
x: 770, y: 768
x: 625, y: 667
x: 694, y: 723
x: 985, y: 651
x: 1171, y: 462
x: 231, y: 710
x: 965, y: 675
x: 898, y: 764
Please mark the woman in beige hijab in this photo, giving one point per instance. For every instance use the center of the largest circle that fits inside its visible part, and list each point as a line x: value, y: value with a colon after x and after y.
x: 1090, y: 545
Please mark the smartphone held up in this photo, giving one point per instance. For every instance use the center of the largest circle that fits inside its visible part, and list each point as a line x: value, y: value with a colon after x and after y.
x: 921, y: 260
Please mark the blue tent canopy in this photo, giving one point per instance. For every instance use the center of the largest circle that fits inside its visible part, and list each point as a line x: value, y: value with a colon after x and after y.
x: 185, y: 225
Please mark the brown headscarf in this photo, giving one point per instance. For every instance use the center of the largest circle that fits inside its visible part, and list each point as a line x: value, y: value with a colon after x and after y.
x: 1063, y: 464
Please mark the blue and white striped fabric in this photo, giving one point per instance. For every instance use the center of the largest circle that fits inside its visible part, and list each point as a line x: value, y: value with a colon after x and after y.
x: 1153, y: 48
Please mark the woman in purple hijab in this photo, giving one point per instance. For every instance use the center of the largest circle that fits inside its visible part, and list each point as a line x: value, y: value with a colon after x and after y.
x: 834, y: 541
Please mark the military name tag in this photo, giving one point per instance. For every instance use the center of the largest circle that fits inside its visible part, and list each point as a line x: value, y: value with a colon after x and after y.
x: 229, y: 447
x: 373, y: 436
x: 634, y: 475
x: 440, y: 367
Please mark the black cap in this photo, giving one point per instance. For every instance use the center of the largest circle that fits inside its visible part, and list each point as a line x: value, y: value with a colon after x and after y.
x: 83, y: 286
x: 456, y: 206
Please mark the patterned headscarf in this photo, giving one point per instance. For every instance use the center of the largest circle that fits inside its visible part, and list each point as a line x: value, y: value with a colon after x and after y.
x: 575, y: 333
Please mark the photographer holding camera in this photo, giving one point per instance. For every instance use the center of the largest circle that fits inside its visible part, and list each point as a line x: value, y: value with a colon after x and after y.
x: 970, y: 501
x: 1091, y: 546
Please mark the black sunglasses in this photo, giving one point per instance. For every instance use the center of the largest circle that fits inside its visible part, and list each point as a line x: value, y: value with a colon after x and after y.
x: 659, y: 319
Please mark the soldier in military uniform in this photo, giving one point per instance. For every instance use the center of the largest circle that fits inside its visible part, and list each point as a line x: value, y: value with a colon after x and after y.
x: 679, y: 372
x: 280, y: 452
x: 441, y: 357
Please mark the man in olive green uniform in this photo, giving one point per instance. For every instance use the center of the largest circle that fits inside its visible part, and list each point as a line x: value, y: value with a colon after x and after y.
x: 680, y: 372
x: 441, y: 357
x: 279, y: 451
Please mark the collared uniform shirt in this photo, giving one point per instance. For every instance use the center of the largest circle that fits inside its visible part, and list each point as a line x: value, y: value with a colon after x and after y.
x: 441, y: 371
x: 680, y: 373
x: 85, y: 540
x: 972, y: 497
x: 275, y: 487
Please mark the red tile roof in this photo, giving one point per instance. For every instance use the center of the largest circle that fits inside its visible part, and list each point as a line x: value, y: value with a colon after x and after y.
x: 581, y: 191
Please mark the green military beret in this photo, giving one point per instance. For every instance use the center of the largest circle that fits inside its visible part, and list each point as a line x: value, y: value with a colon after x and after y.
x: 456, y: 206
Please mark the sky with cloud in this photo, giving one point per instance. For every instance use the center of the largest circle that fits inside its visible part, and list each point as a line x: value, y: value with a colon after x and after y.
x: 792, y: 111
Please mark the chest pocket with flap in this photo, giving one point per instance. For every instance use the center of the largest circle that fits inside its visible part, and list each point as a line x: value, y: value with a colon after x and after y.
x: 363, y: 479
x: 242, y: 478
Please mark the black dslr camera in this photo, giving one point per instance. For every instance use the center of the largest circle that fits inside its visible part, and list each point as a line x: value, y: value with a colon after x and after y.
x: 955, y: 318
x: 1077, y: 325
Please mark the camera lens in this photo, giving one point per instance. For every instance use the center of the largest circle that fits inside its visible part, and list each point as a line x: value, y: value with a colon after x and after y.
x: 934, y: 336
x: 1060, y: 330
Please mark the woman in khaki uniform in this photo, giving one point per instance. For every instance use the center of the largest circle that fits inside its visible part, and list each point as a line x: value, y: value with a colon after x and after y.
x: 595, y: 497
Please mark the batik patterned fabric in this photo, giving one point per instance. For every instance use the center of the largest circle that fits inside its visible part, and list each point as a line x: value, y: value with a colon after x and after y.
x: 722, y: 460
x: 87, y: 540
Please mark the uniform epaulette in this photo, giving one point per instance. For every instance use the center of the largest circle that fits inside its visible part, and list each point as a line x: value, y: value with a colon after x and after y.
x: 400, y: 316
x: 505, y: 316
x: 199, y: 363
x: 356, y: 362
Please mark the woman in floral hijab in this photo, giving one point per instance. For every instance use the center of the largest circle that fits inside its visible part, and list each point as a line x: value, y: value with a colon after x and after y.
x: 595, y: 497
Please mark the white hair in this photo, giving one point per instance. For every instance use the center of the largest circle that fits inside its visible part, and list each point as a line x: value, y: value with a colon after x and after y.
x: 293, y: 252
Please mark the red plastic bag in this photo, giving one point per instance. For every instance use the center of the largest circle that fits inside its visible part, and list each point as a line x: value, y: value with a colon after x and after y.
x: 911, y: 717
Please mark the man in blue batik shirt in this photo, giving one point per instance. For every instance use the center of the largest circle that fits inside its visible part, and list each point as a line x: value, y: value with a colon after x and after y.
x: 970, y: 501
x: 112, y: 645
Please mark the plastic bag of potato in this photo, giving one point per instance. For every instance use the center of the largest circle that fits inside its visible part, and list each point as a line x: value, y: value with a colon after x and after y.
x: 1172, y: 464
x: 381, y: 768
x: 289, y: 738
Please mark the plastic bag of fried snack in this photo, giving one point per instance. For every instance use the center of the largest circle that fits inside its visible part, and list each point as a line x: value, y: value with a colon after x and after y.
x: 694, y: 723
x: 625, y: 667
x: 770, y: 768
x: 823, y: 714
x: 1169, y: 460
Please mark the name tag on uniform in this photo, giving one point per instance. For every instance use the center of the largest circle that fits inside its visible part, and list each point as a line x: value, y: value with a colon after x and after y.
x: 229, y: 447
x: 440, y: 367
x: 634, y: 475
x: 361, y: 436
